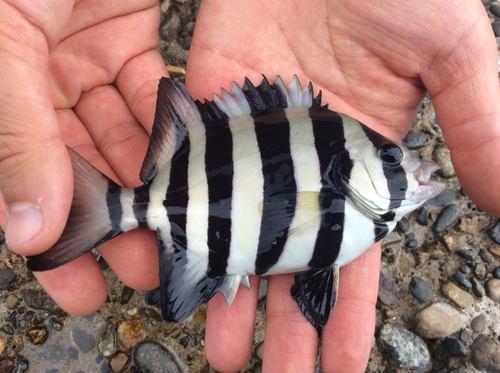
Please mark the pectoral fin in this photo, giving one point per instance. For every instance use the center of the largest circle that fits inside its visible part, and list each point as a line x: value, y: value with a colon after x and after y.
x: 315, y: 291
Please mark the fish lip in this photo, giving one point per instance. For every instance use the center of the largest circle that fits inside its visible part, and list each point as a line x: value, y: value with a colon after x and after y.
x: 423, y: 176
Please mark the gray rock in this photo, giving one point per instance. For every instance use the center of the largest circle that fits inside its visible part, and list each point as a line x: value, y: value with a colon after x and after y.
x: 455, y: 347
x: 494, y: 232
x: 423, y: 216
x: 151, y: 357
x: 439, y: 320
x: 485, y: 354
x: 493, y: 289
x: 107, y: 343
x: 443, y: 198
x: 170, y: 27
x: 446, y: 218
x: 477, y: 287
x: 388, y: 291
x: 480, y: 271
x: 495, y: 10
x: 478, y: 323
x: 468, y: 254
x: 420, y: 289
x: 496, y: 272
x: 462, y: 280
x: 415, y: 141
x: 7, y: 277
x: 403, y: 348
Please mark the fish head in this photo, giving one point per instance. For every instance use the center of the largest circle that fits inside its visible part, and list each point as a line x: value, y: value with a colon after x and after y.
x: 385, y: 179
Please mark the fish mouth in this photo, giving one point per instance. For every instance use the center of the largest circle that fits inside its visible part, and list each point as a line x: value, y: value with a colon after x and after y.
x: 428, y: 187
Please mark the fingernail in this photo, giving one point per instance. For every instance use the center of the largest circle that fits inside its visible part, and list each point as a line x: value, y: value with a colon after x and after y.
x: 24, y: 220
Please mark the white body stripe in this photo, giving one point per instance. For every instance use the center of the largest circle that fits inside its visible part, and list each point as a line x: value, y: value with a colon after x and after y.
x: 157, y: 214
x: 248, y: 194
x: 129, y: 220
x: 303, y: 231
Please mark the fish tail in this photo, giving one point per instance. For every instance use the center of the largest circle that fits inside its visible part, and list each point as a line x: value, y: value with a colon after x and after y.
x: 93, y: 218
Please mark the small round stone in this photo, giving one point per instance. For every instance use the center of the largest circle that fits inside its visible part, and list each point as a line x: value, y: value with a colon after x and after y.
x: 455, y: 347
x: 465, y: 336
x: 152, y: 297
x: 478, y: 323
x: 467, y: 254
x: 485, y: 354
x: 457, y: 295
x: 118, y: 362
x: 411, y: 244
x: 446, y: 218
x: 465, y: 270
x: 495, y: 250
x: 7, y: 277
x: 12, y: 301
x: 477, y: 287
x: 130, y: 333
x: 152, y: 357
x: 494, y: 232
x: 496, y: 28
x: 496, y: 273
x: 423, y: 216
x: 480, y: 271
x: 126, y: 295
x: 462, y: 280
x: 107, y: 343
x: 443, y: 198
x: 495, y: 10
x: 415, y: 141
x: 38, y: 334
x: 439, y: 320
x: 493, y: 289
x: 420, y: 289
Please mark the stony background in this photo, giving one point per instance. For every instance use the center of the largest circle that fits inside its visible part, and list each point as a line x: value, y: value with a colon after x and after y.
x: 438, y: 308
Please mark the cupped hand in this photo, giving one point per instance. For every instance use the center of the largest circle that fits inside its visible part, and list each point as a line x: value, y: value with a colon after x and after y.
x: 373, y: 61
x: 81, y: 74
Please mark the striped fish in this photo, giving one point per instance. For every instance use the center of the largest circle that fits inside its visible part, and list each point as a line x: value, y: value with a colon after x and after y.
x: 260, y: 180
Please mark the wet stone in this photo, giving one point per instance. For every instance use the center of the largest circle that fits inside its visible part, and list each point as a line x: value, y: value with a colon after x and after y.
x: 467, y: 254
x: 7, y: 277
x: 411, y: 244
x: 403, y: 348
x: 478, y: 323
x: 477, y: 288
x: 493, y: 289
x: 126, y: 295
x: 184, y: 341
x: 462, y: 280
x: 496, y: 273
x: 21, y: 367
x: 388, y: 292
x: 130, y: 333
x: 107, y: 342
x: 420, y: 289
x: 154, y: 358
x: 7, y: 329
x: 152, y: 297
x: 479, y: 271
x: 495, y: 10
x: 485, y: 354
x: 38, y: 334
x: 446, y: 218
x: 457, y: 295
x: 12, y: 301
x: 455, y: 347
x: 423, y: 216
x: 494, y: 233
x: 415, y: 141
x: 118, y: 362
x: 443, y: 198
x: 439, y: 320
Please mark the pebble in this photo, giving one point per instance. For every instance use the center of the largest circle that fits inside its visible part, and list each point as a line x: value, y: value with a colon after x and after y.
x: 446, y: 218
x: 478, y: 323
x: 411, y: 244
x: 388, y: 292
x: 170, y: 27
x: 465, y: 336
x: 494, y: 233
x: 404, y: 225
x: 496, y: 28
x: 423, y: 216
x: 495, y: 250
x: 495, y: 10
x: 485, y: 354
x: 477, y: 287
x: 443, y: 198
x: 12, y: 301
x: 153, y: 358
x: 38, y: 334
x: 130, y: 333
x: 465, y: 270
x: 493, y: 289
x: 468, y: 254
x: 403, y: 348
x: 457, y: 295
x: 420, y: 289
x: 462, y: 280
x: 7, y: 364
x: 455, y: 347
x: 479, y: 271
x: 118, y: 362
x: 152, y: 297
x: 442, y: 157
x: 496, y: 273
x: 21, y: 367
x: 107, y: 342
x: 7, y: 277
x: 486, y: 256
x: 126, y: 295
x: 439, y: 320
x: 415, y: 141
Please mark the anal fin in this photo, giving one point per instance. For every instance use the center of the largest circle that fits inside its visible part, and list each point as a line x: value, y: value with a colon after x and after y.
x: 315, y: 291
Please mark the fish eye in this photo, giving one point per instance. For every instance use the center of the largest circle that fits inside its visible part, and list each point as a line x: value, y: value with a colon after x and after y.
x: 391, y: 154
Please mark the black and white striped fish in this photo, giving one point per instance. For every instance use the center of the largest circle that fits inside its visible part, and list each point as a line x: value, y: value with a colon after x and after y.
x: 262, y: 180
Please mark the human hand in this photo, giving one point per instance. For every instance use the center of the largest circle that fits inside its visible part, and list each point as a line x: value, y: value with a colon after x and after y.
x: 373, y: 61
x: 85, y: 75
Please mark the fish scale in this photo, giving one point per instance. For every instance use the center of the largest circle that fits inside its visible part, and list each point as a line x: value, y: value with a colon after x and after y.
x: 260, y: 180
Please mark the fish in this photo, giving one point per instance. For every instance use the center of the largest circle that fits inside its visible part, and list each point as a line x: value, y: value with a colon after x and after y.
x: 260, y: 180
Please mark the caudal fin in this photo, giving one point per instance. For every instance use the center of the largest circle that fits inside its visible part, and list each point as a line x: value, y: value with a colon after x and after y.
x: 89, y: 223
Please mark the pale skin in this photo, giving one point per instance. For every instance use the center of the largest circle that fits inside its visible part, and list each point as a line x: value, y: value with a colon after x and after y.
x: 373, y: 60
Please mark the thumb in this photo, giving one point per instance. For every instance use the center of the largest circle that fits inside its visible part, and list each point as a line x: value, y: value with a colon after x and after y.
x: 35, y: 171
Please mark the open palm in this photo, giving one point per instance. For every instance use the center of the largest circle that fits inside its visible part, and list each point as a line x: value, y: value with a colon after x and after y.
x: 373, y: 61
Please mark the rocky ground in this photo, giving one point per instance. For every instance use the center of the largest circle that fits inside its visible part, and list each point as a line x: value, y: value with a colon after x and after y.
x: 439, y: 298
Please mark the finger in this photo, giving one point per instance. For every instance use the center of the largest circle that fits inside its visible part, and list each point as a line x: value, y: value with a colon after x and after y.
x: 229, y: 330
x: 464, y: 87
x: 349, y: 334
x: 291, y: 343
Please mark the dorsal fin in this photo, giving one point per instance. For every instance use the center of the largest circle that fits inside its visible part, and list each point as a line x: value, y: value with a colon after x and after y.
x: 256, y: 100
x: 176, y: 115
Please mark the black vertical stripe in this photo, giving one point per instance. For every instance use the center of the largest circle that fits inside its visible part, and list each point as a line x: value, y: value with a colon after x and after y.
x: 397, y: 183
x: 177, y: 197
x: 280, y: 189
x: 115, y: 208
x: 335, y: 164
x: 220, y: 172
x: 140, y: 206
